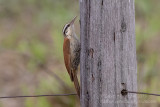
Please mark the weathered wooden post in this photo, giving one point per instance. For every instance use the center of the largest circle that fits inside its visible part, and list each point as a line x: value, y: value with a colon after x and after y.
x: 108, y: 53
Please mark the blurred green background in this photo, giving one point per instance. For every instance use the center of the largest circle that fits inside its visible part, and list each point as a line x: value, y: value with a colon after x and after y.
x: 31, y: 60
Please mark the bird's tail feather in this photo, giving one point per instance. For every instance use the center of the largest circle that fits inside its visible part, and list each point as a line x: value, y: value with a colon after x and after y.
x: 76, y: 83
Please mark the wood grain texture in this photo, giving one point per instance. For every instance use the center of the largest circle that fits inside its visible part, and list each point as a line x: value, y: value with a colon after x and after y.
x: 108, y: 53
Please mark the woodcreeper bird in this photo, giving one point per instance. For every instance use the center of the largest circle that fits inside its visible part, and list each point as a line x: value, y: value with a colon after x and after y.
x: 71, y: 52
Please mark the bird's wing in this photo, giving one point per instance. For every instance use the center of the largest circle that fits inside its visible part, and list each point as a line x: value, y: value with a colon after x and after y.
x: 66, y: 54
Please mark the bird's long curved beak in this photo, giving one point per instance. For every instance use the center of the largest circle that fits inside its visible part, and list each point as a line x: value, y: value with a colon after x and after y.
x: 73, y: 20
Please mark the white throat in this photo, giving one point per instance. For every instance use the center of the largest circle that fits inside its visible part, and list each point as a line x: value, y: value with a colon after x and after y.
x: 69, y: 36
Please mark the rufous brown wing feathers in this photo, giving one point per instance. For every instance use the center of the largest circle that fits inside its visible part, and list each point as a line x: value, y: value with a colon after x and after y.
x: 66, y: 54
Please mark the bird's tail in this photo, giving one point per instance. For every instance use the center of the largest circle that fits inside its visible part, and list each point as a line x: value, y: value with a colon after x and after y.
x: 76, y: 83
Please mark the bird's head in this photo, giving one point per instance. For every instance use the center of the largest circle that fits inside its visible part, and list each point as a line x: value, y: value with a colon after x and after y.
x: 68, y: 29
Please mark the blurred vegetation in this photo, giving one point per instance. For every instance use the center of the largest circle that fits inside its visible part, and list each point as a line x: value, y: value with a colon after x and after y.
x: 148, y: 51
x: 31, y: 44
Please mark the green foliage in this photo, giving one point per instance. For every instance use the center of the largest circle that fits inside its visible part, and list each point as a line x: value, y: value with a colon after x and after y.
x: 38, y: 51
x: 42, y: 102
x: 147, y: 31
x: 58, y: 44
x: 29, y: 103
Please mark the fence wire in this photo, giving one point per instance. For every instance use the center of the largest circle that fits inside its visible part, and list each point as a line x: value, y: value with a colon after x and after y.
x: 123, y: 92
x: 25, y: 96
